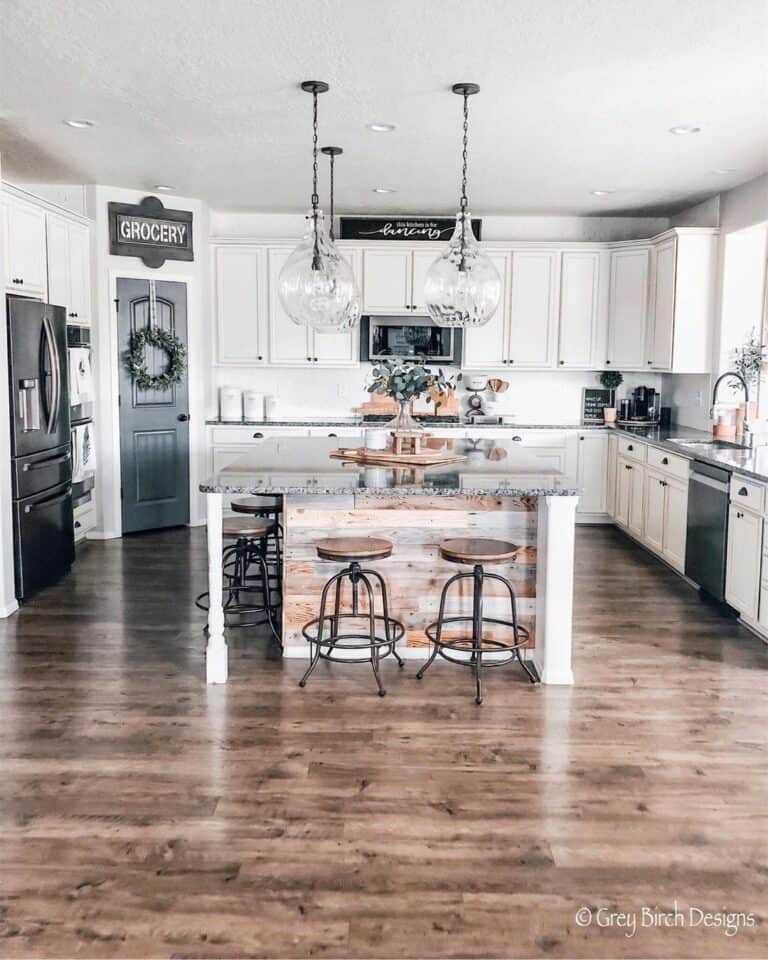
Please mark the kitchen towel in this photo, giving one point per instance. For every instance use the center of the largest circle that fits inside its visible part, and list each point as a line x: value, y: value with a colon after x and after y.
x: 83, y: 452
x: 80, y: 376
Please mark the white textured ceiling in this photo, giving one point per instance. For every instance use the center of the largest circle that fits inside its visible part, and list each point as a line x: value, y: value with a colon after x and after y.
x: 203, y: 95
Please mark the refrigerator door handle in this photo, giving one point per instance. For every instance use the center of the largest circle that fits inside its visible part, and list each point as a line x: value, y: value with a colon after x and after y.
x: 29, y: 404
x: 53, y: 354
x: 46, y: 503
x: 42, y: 464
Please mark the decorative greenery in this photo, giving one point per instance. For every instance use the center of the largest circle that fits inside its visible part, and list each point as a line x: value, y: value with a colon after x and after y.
x: 137, y: 364
x: 749, y: 359
x: 405, y: 380
x: 611, y: 379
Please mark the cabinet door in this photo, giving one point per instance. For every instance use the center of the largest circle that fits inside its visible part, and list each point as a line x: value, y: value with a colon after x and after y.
x: 654, y: 511
x: 57, y: 247
x: 79, y: 273
x: 636, y: 523
x: 593, y: 472
x: 340, y: 349
x: 662, y: 320
x: 486, y: 346
x: 532, y: 311
x: 623, y: 491
x: 26, y: 260
x: 238, y: 301
x: 628, y: 308
x: 742, y: 572
x: 610, y: 504
x: 579, y: 307
x: 288, y: 342
x: 422, y: 261
x: 675, y: 523
x: 386, y: 281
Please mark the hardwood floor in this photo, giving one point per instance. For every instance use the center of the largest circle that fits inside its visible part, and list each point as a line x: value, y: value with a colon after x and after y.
x: 145, y: 815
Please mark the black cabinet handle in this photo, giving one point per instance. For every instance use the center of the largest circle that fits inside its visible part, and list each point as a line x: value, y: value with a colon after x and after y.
x: 259, y: 357
x: 517, y: 439
x: 650, y: 361
x: 183, y: 417
x: 630, y: 447
x: 627, y: 466
x: 258, y: 436
x: 333, y: 434
x: 309, y: 359
x: 743, y: 492
x: 562, y: 362
x: 665, y: 461
x: 607, y: 361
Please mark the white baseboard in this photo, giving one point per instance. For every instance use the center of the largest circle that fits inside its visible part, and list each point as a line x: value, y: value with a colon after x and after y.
x: 588, y: 518
x: 103, y: 535
x: 754, y: 627
x: 8, y: 609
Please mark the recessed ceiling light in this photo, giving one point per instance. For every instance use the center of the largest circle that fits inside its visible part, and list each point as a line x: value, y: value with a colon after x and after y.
x: 384, y: 190
x: 79, y: 124
x: 683, y: 129
x: 601, y: 193
x: 381, y: 127
x: 164, y: 187
x: 719, y: 171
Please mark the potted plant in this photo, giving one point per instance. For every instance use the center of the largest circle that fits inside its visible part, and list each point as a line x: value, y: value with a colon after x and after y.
x: 404, y: 381
x: 748, y: 360
x: 611, y: 379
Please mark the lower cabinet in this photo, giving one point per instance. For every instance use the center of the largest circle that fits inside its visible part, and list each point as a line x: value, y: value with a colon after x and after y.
x: 666, y: 509
x: 743, y: 562
x: 630, y: 506
x: 593, y: 472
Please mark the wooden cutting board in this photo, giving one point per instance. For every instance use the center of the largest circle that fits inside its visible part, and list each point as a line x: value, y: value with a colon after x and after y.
x: 429, y: 458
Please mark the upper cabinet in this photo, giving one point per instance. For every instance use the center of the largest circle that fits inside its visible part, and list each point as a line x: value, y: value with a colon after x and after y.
x: 533, y: 309
x: 387, y: 280
x: 583, y: 314
x: 68, y: 260
x: 486, y: 346
x: 238, y: 301
x: 24, y: 242
x: 628, y: 307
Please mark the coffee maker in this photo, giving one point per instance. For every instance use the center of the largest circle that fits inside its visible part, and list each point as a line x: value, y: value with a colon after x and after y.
x: 645, y: 405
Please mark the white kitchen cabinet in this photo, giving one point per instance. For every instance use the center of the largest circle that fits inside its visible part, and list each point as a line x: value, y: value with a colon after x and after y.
x: 593, y: 472
x: 610, y: 504
x: 387, y: 280
x: 239, y: 298
x: 742, y: 572
x: 533, y: 309
x: 68, y: 266
x: 661, y: 320
x: 486, y: 347
x: 623, y: 491
x: 25, y: 256
x: 654, y: 510
x: 675, y: 522
x: 630, y: 496
x: 422, y: 261
x: 628, y: 308
x: 580, y: 310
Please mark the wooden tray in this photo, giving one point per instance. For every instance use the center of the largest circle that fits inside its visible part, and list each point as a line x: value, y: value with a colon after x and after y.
x: 430, y: 458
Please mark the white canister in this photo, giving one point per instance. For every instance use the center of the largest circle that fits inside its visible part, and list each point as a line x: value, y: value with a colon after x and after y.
x: 376, y: 439
x: 230, y: 404
x: 253, y: 405
x: 270, y: 407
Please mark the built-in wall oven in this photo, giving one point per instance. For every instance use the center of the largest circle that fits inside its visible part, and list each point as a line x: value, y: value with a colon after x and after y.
x: 408, y: 338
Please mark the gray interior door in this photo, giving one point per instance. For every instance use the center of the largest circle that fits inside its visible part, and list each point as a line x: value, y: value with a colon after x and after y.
x: 154, y: 427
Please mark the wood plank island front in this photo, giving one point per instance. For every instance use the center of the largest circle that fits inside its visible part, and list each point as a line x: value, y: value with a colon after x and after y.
x: 494, y: 493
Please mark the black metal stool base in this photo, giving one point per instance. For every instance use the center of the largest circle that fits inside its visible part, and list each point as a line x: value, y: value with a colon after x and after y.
x: 376, y: 636
x: 477, y: 645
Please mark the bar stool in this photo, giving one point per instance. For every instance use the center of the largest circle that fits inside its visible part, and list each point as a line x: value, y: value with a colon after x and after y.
x: 249, y: 549
x: 378, y: 638
x: 477, y: 551
x: 268, y: 506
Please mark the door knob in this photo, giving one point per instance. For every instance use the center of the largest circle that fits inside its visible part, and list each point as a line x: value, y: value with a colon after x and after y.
x: 183, y: 417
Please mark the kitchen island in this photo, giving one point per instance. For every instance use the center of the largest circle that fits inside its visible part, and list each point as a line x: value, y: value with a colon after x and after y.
x: 495, y: 492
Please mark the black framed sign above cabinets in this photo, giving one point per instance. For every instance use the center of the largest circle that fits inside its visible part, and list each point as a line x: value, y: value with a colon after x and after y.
x: 409, y: 229
x: 151, y: 232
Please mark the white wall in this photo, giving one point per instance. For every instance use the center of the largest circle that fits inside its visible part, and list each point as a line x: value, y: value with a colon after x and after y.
x: 7, y: 588
x: 105, y: 269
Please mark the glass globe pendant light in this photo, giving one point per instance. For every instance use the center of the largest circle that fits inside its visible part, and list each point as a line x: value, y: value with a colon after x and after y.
x: 462, y: 287
x: 316, y: 286
x: 355, y: 306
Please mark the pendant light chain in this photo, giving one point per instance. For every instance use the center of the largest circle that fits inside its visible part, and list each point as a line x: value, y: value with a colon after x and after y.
x: 464, y: 202
x: 331, y: 210
x: 315, y: 198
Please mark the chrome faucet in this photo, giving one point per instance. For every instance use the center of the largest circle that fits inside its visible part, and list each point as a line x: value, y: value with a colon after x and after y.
x: 748, y: 435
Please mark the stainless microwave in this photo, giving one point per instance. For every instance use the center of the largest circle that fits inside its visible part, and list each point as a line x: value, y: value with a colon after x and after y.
x: 408, y: 338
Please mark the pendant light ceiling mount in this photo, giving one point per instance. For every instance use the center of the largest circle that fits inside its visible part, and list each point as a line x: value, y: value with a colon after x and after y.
x: 466, y: 89
x: 315, y: 86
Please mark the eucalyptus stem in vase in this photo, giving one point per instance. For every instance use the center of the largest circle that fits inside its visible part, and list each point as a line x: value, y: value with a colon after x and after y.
x: 404, y: 381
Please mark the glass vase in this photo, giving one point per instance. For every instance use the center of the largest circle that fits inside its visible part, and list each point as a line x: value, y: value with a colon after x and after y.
x: 404, y: 421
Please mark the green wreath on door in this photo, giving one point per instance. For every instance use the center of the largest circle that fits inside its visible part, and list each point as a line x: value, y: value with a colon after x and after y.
x: 137, y: 363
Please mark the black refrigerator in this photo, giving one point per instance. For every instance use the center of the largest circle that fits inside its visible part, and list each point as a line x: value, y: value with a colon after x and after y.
x: 41, y: 455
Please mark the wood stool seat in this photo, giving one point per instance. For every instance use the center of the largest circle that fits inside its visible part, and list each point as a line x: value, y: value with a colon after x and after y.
x: 350, y: 549
x: 268, y: 503
x: 253, y: 529
x: 477, y: 550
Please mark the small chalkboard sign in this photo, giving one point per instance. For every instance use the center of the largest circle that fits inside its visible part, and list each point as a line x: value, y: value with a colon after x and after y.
x: 593, y: 401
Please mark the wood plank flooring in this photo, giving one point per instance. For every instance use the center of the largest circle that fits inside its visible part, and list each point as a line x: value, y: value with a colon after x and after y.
x: 145, y: 815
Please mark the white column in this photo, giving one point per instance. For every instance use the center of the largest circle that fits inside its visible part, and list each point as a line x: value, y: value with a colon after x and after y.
x: 216, y: 660
x: 554, y: 589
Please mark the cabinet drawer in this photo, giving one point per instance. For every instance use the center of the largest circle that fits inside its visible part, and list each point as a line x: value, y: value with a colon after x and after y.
x: 668, y: 463
x: 747, y: 493
x: 632, y: 449
x: 336, y: 432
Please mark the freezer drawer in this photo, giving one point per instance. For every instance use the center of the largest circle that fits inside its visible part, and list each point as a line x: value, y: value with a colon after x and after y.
x: 44, y: 544
x: 41, y: 471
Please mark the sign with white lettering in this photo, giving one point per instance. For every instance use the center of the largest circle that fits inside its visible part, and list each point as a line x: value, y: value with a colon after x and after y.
x: 409, y: 229
x: 149, y: 231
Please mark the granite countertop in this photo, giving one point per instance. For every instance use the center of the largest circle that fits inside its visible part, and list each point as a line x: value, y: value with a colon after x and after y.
x: 434, y: 423
x: 302, y: 466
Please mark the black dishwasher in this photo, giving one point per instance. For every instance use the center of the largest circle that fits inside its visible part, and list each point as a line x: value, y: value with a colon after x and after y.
x: 707, y: 537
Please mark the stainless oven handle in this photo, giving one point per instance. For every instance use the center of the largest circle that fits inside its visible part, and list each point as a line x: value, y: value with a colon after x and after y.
x: 53, y: 354
x: 42, y: 464
x: 47, y: 503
